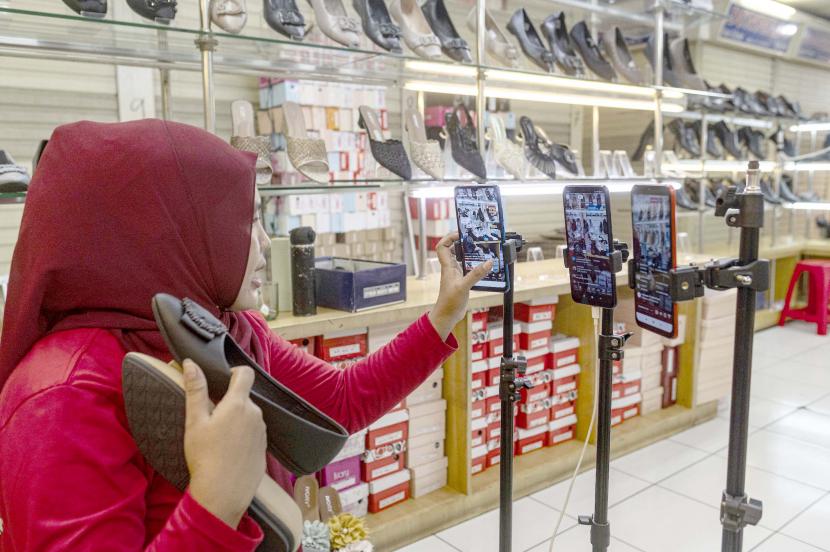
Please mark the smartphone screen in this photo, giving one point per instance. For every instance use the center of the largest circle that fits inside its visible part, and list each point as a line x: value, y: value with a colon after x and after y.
x: 481, y: 231
x: 652, y: 215
x: 588, y: 232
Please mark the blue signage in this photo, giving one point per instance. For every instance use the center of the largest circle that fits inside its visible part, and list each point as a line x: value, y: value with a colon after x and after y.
x: 815, y: 45
x: 756, y: 29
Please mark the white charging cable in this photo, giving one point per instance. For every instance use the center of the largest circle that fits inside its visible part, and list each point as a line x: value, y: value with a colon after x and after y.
x: 595, y: 314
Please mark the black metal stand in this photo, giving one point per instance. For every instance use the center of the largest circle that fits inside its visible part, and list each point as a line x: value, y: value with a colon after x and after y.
x: 749, y: 275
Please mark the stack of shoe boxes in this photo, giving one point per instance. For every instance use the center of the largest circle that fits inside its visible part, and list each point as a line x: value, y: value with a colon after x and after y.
x: 717, y: 334
x: 671, y: 363
x: 440, y: 220
x: 564, y: 380
x: 626, y: 385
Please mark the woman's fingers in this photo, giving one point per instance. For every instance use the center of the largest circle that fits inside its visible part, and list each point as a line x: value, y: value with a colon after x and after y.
x: 197, y: 402
x: 477, y: 274
x: 445, y: 250
x: 242, y: 379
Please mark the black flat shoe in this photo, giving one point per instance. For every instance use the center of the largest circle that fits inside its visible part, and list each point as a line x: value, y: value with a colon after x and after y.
x: 161, y: 11
x: 301, y: 437
x: 785, y: 190
x: 389, y: 153
x: 727, y: 139
x: 747, y: 103
x: 378, y: 25
x: 753, y: 140
x: 522, y: 28
x: 646, y: 139
x: 88, y: 8
x: 462, y: 139
x: 536, y: 148
x: 684, y: 201
x: 284, y: 17
x: 685, y: 136
x: 616, y: 50
x: 154, y: 402
x: 769, y: 195
x: 712, y: 103
x: 590, y: 53
x: 728, y: 104
x: 439, y: 21
x: 556, y: 32
x: 713, y: 150
x: 669, y: 76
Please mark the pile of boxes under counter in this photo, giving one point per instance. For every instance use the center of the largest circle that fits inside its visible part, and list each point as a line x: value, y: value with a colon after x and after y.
x: 546, y: 414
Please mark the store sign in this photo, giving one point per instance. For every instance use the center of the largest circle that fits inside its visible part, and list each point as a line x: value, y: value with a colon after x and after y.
x: 755, y: 29
x: 815, y: 45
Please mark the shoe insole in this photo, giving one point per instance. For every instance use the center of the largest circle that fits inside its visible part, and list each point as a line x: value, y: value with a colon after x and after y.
x: 415, y: 126
x: 294, y: 121
x: 306, y: 493
x: 371, y: 123
x: 329, y: 503
x: 242, y: 119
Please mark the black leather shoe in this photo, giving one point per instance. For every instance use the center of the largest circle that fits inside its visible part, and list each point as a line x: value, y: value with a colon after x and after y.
x: 782, y: 143
x: 693, y: 192
x: 301, y: 437
x: 713, y: 150
x: 729, y: 104
x: 537, y: 149
x: 556, y: 32
x: 785, y: 190
x: 646, y: 139
x: 565, y: 157
x: 747, y: 102
x: 161, y: 11
x: 89, y: 8
x: 462, y: 138
x: 770, y: 103
x: 389, y: 153
x: 789, y: 108
x: 769, y: 195
x: 753, y: 140
x: 439, y: 20
x: 711, y: 103
x: 377, y: 24
x: 683, y: 200
x: 587, y: 48
x: 728, y: 139
x: 685, y: 136
x: 522, y: 28
x: 682, y: 65
x: 616, y: 50
x: 669, y: 76
x: 284, y: 17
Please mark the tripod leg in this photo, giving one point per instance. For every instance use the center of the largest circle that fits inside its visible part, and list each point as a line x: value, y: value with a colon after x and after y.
x: 507, y: 389
x: 600, y: 528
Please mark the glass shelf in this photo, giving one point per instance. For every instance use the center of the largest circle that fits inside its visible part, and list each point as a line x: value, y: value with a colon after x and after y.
x: 739, y: 119
x: 679, y: 14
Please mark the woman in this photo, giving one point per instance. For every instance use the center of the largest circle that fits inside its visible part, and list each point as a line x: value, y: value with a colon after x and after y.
x: 115, y: 214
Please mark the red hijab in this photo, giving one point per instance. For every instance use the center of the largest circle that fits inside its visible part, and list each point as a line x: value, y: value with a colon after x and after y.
x: 119, y: 212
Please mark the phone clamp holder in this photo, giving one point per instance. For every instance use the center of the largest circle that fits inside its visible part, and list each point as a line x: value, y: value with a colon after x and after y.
x: 688, y: 282
x: 738, y: 512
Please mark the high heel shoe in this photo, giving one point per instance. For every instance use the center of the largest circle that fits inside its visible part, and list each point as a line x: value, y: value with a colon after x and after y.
x: 524, y: 31
x: 508, y: 154
x: 335, y: 23
x: 308, y: 155
x: 389, y: 153
x: 669, y: 76
x: 377, y: 24
x: 415, y: 29
x: 556, y: 32
x: 537, y: 148
x: 590, y: 53
x: 284, y: 17
x: 462, y: 139
x: 244, y: 138
x: 229, y: 15
x: 683, y: 66
x: 426, y: 154
x: 161, y: 11
x: 88, y: 8
x: 439, y: 20
x: 613, y: 43
x: 496, y: 43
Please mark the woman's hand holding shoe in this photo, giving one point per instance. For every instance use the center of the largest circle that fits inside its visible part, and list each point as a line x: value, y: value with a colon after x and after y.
x: 451, y: 305
x: 224, y: 445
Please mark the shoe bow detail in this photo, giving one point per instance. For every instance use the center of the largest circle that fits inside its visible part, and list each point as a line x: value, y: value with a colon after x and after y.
x: 389, y: 30
x: 201, y: 322
x: 426, y: 40
x: 348, y: 24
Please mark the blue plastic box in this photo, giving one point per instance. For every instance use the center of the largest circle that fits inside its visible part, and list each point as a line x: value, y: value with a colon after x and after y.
x: 354, y: 285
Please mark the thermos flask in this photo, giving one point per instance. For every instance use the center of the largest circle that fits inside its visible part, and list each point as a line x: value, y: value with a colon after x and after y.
x: 302, y: 271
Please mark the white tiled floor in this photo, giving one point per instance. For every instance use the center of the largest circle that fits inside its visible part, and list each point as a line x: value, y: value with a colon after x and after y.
x: 665, y: 497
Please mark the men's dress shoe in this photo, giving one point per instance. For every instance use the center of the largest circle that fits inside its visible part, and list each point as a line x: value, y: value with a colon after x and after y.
x: 590, y: 53
x: 753, y: 140
x: 747, y: 102
x: 646, y: 139
x: 713, y: 150
x: 154, y: 403
x: 496, y: 43
x: 229, y: 15
x: 616, y: 50
x: 683, y: 66
x: 523, y: 29
x: 729, y: 104
x: 556, y: 32
x: 89, y: 8
x: 161, y: 11
x: 377, y: 24
x: 302, y: 438
x: 335, y: 23
x: 669, y: 76
x: 789, y: 108
x: 712, y: 103
x: 770, y: 103
x: 785, y: 190
x: 284, y: 17
x: 728, y: 139
x: 684, y: 201
x: 439, y: 20
x: 782, y: 143
x: 415, y: 29
x: 769, y: 195
x: 685, y: 136
x: 692, y: 189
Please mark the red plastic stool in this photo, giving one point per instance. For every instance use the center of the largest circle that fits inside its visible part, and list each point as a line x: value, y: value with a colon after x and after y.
x: 818, y: 274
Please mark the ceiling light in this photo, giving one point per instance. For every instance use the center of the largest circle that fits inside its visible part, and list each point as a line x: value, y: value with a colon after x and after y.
x: 541, y: 188
x: 714, y: 165
x: 807, y: 166
x: 808, y: 206
x: 788, y: 30
x: 803, y: 127
x: 435, y: 68
x: 769, y: 7
x: 564, y: 82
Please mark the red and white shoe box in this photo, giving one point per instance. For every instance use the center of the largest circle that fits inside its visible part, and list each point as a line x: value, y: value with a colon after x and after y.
x: 305, y: 343
x: 560, y: 430
x: 495, y: 336
x: 425, y: 449
x: 436, y: 208
x: 341, y: 346
x: 564, y: 351
x: 529, y: 440
x: 388, y: 491
x: 671, y: 360
x: 537, y: 359
x: 493, y: 371
x: 427, y: 418
x: 479, y: 459
x: 480, y: 370
x: 392, y: 428
x: 565, y: 379
x: 429, y: 391
x: 625, y: 408
x: 533, y: 415
x: 478, y: 428
x: 533, y: 335
x: 382, y: 461
x: 563, y: 405
x: 478, y: 408
x: 355, y: 500
x: 479, y: 320
x: 428, y: 477
x: 540, y: 389
x: 542, y: 308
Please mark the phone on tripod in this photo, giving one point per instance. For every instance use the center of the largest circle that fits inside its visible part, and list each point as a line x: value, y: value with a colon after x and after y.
x: 590, y: 244
x: 481, y: 231
x: 655, y: 250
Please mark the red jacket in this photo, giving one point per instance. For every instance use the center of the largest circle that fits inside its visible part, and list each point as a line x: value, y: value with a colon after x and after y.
x: 71, y: 477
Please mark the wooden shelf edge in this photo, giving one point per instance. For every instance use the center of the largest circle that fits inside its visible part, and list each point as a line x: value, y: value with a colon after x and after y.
x: 419, y: 518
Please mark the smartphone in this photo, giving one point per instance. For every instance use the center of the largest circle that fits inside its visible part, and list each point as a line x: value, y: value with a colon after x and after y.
x: 480, y: 219
x: 652, y: 217
x: 588, y: 233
